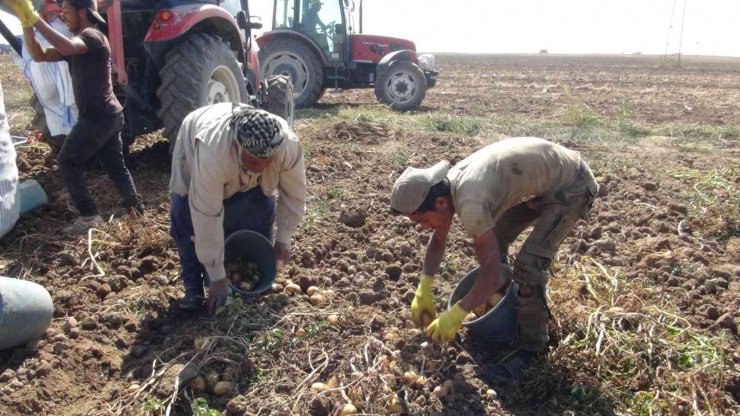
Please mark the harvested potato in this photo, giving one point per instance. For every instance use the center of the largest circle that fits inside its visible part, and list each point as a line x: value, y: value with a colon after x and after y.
x: 199, y: 343
x: 292, y: 289
x: 440, y: 391
x: 243, y: 274
x: 394, y: 404
x: 212, y: 377
x: 311, y: 290
x: 223, y: 388
x: 317, y: 299
x: 472, y: 316
x: 333, y: 319
x: 348, y: 409
x: 483, y: 309
x: 198, y: 385
x: 410, y: 377
x: 495, y: 299
x: 318, y: 387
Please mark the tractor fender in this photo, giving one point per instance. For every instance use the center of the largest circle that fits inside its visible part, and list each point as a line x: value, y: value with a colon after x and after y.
x: 206, y: 17
x: 273, y: 35
x: 403, y: 55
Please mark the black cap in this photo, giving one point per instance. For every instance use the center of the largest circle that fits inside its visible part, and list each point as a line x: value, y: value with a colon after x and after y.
x: 91, y: 6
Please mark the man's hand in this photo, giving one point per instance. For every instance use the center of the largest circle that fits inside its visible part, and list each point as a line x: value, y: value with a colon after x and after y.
x: 217, y: 294
x: 282, y: 253
x: 24, y: 10
x: 422, y: 307
x: 446, y: 326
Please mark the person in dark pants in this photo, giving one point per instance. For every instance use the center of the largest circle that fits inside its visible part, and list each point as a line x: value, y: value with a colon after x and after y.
x: 98, y: 130
x: 228, y: 162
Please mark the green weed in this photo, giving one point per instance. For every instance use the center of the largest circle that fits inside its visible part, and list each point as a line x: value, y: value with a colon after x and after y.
x: 337, y: 193
x: 459, y: 125
x: 200, y: 408
x: 401, y: 159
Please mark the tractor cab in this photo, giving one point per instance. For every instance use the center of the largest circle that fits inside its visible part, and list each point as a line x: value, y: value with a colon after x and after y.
x: 314, y: 42
x: 323, y: 21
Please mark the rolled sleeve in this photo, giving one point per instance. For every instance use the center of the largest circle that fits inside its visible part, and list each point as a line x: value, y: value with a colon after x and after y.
x: 291, y: 204
x: 207, y: 211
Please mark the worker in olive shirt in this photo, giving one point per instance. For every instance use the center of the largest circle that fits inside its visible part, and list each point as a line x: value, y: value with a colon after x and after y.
x: 228, y: 161
x: 497, y: 192
x: 97, y: 132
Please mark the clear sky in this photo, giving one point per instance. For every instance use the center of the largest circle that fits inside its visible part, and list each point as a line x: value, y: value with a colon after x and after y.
x: 560, y: 26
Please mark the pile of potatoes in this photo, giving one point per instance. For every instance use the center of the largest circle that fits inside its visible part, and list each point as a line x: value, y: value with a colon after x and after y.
x: 483, y: 309
x: 220, y: 384
x: 243, y: 274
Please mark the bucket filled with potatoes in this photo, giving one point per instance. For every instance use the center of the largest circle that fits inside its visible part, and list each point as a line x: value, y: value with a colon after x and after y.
x: 250, y: 262
x: 495, y: 320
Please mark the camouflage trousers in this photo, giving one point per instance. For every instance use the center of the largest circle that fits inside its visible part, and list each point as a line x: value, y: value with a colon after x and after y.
x: 554, y: 216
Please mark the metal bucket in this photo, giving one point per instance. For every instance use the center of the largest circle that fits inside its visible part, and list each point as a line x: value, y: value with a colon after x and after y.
x: 25, y: 311
x: 253, y: 247
x: 498, y: 325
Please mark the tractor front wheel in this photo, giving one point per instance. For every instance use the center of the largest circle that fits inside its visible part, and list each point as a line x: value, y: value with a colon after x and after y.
x: 402, y: 87
x: 295, y: 60
x: 199, y: 71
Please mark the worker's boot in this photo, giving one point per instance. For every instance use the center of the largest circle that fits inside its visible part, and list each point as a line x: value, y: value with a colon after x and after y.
x: 192, y: 301
x: 531, y: 320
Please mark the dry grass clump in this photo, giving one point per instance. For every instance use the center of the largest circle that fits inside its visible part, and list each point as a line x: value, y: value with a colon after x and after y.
x: 628, y: 344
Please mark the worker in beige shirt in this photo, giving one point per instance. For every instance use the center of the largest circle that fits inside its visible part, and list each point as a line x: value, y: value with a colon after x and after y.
x: 497, y: 192
x: 228, y: 162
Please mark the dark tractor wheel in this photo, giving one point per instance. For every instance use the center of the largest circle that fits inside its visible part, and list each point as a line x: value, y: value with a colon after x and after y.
x: 199, y: 71
x: 279, y: 97
x: 300, y: 63
x: 402, y: 87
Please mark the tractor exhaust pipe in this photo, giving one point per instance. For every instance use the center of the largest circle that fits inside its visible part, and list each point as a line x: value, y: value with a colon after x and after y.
x: 360, y: 16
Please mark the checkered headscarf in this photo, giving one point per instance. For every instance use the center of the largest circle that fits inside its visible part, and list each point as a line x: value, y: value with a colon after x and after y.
x: 256, y: 131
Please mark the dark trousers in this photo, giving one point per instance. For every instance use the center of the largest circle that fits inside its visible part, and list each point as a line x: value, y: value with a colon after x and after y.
x: 250, y: 210
x: 100, y: 139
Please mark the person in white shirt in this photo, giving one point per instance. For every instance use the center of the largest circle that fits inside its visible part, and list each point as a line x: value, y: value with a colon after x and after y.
x: 228, y: 161
x: 9, y: 200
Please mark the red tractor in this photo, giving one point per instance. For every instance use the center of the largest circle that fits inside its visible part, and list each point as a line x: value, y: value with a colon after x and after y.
x: 172, y: 57
x: 313, y: 42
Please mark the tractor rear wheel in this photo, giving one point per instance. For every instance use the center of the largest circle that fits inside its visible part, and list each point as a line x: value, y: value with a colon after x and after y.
x: 402, y: 87
x: 199, y: 71
x: 279, y: 97
x: 297, y: 61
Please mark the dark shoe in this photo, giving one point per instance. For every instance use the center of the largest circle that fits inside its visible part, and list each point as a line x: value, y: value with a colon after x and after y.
x: 82, y: 224
x: 132, y: 211
x: 192, y: 301
x: 513, y: 367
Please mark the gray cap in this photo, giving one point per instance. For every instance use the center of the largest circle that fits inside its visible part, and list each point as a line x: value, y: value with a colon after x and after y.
x: 412, y: 187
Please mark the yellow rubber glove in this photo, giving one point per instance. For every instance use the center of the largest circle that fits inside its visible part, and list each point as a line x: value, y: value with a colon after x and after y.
x: 422, y: 307
x: 446, y: 326
x: 24, y: 10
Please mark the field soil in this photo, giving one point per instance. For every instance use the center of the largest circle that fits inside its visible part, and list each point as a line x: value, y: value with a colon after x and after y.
x: 645, y: 293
